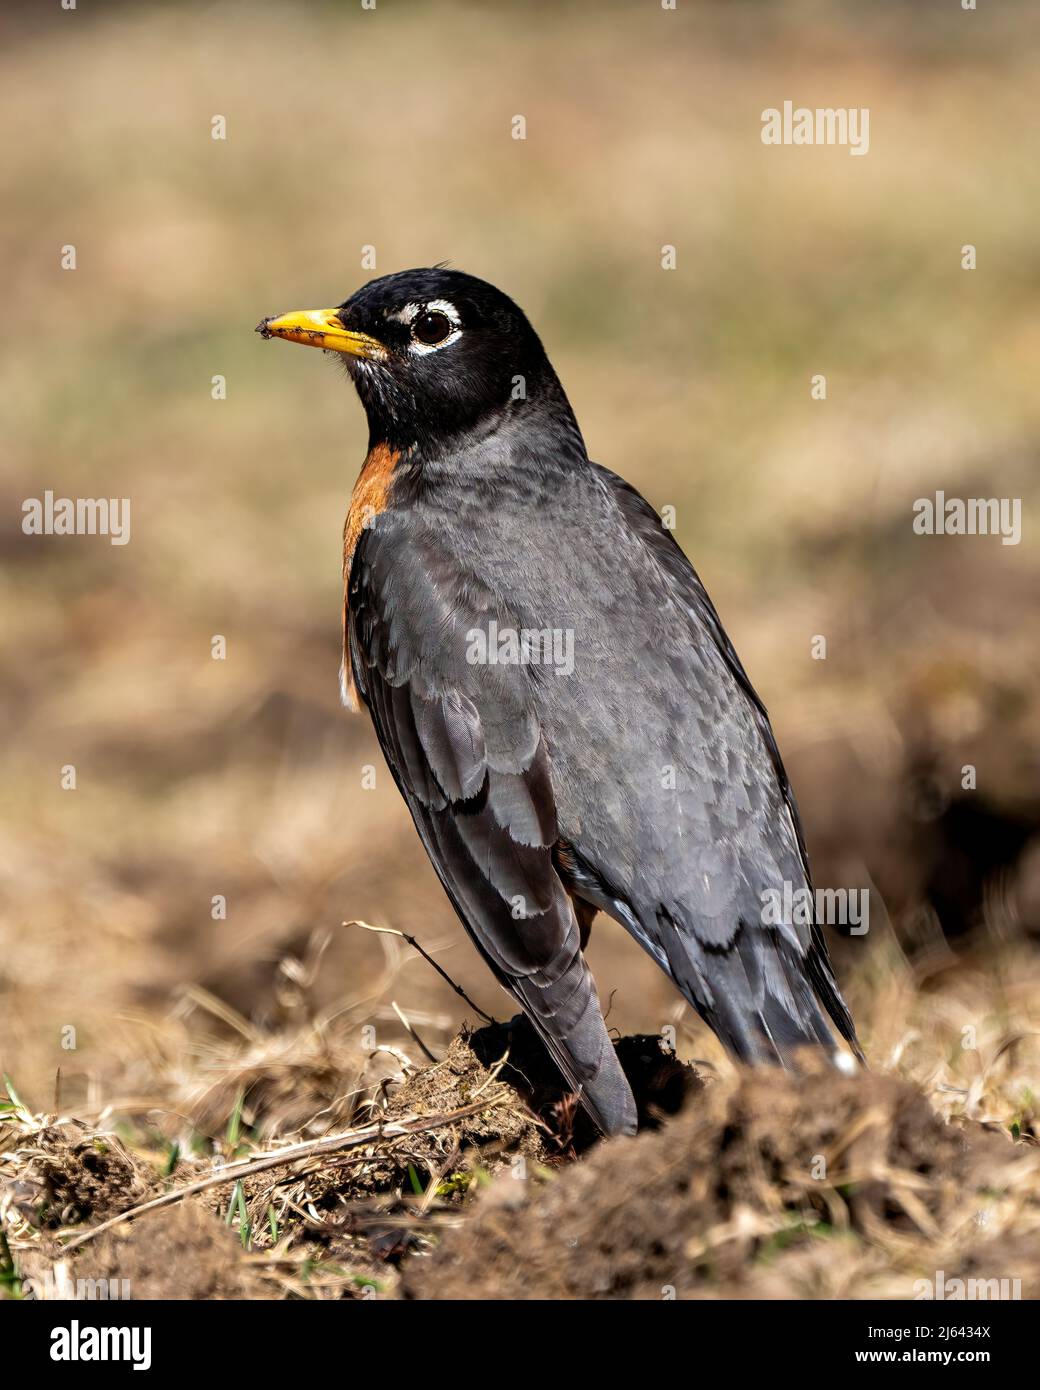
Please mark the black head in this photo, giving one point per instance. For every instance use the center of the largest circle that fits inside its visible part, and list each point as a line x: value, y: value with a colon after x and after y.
x: 434, y: 354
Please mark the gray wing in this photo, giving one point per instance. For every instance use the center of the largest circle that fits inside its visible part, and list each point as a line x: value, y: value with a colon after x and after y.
x: 685, y: 868
x: 469, y: 757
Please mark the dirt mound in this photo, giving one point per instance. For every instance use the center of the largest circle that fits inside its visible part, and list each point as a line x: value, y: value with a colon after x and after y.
x: 739, y: 1195
x: 534, y: 1117
x: 373, y: 1211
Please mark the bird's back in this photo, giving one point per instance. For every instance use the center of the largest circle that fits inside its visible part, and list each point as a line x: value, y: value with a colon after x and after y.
x: 670, y: 793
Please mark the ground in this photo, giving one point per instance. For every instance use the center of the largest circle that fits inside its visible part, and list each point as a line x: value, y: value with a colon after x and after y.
x: 747, y: 1184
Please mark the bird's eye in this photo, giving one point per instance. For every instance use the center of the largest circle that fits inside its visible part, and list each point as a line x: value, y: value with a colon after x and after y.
x: 431, y: 327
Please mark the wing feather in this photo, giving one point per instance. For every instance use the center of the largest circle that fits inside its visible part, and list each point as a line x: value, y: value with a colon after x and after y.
x: 486, y: 814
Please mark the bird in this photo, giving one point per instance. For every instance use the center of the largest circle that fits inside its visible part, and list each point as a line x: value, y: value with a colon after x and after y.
x: 555, y: 695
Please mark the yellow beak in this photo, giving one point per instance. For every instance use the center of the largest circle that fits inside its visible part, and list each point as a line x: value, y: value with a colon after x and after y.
x: 321, y: 328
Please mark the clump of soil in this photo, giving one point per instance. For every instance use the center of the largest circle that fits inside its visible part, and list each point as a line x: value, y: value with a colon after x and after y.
x: 710, y: 1204
x: 181, y: 1252
x: 660, y: 1083
x: 534, y: 1116
x: 72, y: 1174
x: 504, y: 1128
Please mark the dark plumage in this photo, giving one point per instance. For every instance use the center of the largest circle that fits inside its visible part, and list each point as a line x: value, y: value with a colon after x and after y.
x: 645, y: 780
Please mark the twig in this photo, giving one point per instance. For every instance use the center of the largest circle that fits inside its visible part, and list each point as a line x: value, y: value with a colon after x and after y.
x: 392, y: 931
x: 401, y: 1015
x: 308, y: 1148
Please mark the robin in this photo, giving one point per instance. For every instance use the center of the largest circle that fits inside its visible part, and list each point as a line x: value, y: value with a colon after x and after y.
x: 556, y: 698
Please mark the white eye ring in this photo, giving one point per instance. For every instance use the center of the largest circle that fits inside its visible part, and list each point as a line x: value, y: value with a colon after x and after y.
x: 411, y: 312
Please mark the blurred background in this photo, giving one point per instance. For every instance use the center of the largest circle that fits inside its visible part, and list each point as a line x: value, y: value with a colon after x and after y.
x: 391, y: 128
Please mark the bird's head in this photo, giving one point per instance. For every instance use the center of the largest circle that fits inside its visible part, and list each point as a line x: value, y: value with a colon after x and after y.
x: 434, y: 354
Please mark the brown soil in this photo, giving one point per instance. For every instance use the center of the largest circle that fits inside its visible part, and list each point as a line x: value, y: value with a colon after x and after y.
x: 760, y: 1188
x: 181, y: 1252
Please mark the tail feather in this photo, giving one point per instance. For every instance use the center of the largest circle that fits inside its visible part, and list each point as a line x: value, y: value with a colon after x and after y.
x: 564, y: 1008
x: 756, y: 993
